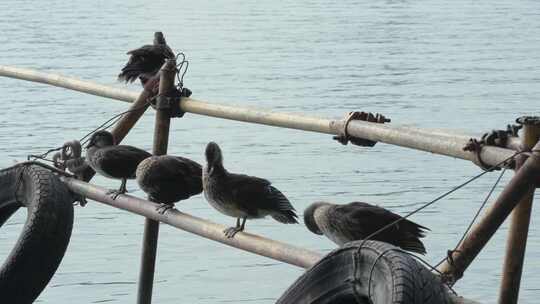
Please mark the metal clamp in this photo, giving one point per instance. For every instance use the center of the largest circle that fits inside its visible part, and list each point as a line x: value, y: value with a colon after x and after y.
x: 171, y: 102
x: 344, y: 136
x: 528, y: 120
x: 475, y: 145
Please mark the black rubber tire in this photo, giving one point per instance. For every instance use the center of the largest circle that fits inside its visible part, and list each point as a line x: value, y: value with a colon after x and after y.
x: 46, y: 233
x: 342, y: 277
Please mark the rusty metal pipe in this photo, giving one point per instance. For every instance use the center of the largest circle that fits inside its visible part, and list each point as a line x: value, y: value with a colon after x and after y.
x: 519, y: 187
x: 160, y: 144
x: 518, y: 231
x: 242, y: 240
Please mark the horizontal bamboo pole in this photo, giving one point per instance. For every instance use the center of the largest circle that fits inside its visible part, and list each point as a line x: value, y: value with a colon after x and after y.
x: 435, y: 141
x: 242, y: 240
x: 68, y: 83
x: 439, y: 142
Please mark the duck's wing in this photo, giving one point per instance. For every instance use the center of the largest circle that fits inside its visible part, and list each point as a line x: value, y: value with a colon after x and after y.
x: 121, y: 161
x: 146, y: 59
x: 253, y: 194
x: 362, y: 219
x: 181, y: 171
x: 144, y: 51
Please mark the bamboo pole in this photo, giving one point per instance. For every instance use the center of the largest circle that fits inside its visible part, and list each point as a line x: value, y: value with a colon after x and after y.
x: 520, y: 186
x: 68, y: 83
x: 256, y: 244
x: 430, y: 141
x: 519, y: 229
x: 446, y: 143
x: 160, y: 145
x: 242, y: 240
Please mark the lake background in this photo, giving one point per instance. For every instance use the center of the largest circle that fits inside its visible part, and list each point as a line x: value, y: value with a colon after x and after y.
x: 466, y: 65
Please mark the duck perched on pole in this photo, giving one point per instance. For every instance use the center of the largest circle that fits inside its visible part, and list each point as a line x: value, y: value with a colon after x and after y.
x: 242, y: 196
x: 146, y: 61
x: 113, y: 161
x: 168, y: 179
x: 357, y: 221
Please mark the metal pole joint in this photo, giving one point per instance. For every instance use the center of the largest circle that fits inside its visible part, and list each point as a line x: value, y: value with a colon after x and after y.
x: 344, y: 137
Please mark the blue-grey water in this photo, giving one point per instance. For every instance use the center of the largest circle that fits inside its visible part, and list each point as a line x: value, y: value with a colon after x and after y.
x: 468, y: 65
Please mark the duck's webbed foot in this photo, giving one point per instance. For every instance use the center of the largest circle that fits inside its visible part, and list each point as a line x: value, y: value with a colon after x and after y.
x: 163, y: 208
x: 113, y: 193
x: 231, y: 231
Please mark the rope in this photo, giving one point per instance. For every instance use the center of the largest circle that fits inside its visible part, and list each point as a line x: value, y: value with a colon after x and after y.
x: 442, y: 196
x: 181, y: 70
x: 107, y: 124
x: 434, y: 268
x: 111, y: 121
x: 450, y: 252
x: 179, y: 67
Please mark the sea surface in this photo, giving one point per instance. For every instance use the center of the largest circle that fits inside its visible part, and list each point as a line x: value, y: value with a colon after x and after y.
x: 471, y: 66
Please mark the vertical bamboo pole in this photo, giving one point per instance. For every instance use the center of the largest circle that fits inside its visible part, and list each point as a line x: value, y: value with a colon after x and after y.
x: 521, y: 184
x: 160, y: 144
x: 519, y: 229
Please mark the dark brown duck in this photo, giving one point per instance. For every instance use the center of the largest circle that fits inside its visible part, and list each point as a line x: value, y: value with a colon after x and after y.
x: 113, y: 161
x: 146, y: 61
x: 168, y: 179
x: 356, y: 221
x: 242, y: 196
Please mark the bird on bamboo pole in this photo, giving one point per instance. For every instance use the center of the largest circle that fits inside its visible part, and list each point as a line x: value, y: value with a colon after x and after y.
x: 168, y: 179
x: 242, y: 196
x: 113, y: 161
x: 145, y: 62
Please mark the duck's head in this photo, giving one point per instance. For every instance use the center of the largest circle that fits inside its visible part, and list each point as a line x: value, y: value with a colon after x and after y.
x: 309, y: 217
x: 71, y: 150
x: 213, y: 156
x: 159, y: 38
x: 101, y: 139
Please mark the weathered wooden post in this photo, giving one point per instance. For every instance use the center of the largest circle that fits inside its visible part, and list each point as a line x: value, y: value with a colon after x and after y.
x: 160, y: 144
x: 519, y: 187
x: 519, y: 227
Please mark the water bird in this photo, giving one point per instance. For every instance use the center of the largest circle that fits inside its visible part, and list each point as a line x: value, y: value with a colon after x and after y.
x: 168, y: 179
x: 242, y: 196
x: 357, y: 220
x: 146, y: 61
x: 73, y: 161
x: 113, y: 161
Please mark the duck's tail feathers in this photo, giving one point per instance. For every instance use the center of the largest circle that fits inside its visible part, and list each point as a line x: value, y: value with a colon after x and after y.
x: 286, y: 217
x: 413, y: 245
x: 130, y: 73
x: 285, y: 212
